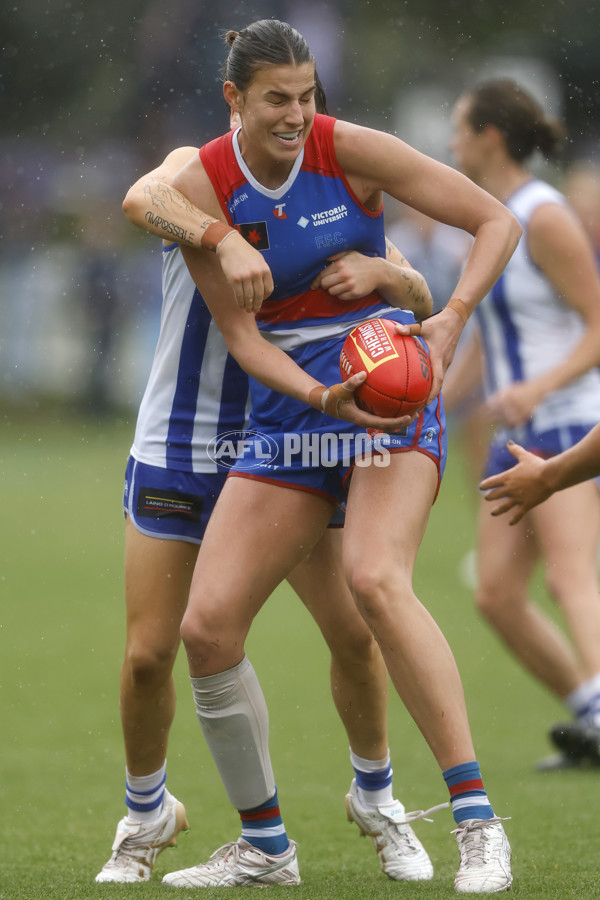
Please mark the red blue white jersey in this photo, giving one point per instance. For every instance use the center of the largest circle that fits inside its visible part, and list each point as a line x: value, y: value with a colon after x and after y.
x: 527, y: 328
x: 297, y: 227
x: 196, y: 389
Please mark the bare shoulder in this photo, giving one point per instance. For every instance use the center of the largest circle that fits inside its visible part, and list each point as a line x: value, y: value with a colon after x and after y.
x: 378, y: 160
x: 192, y: 181
x: 355, y: 143
x: 179, y: 157
x: 171, y: 164
x: 554, y: 228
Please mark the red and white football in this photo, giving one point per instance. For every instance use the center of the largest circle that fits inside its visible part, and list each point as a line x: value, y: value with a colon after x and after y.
x: 397, y: 365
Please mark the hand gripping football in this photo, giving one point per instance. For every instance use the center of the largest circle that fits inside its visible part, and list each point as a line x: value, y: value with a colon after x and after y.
x: 397, y: 365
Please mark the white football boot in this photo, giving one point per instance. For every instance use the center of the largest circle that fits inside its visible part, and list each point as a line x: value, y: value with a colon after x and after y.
x: 401, y: 854
x: 137, y: 844
x: 239, y: 863
x: 484, y: 857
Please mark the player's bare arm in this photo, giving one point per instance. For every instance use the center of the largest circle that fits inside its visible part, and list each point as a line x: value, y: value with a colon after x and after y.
x: 268, y: 364
x: 559, y: 247
x: 351, y: 275
x: 416, y: 294
x: 432, y: 188
x: 152, y: 203
x: 244, y: 268
x: 162, y: 202
x: 533, y: 480
x: 156, y: 205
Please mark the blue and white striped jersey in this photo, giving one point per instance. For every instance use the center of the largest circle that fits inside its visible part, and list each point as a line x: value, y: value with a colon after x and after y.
x: 527, y: 328
x: 196, y: 390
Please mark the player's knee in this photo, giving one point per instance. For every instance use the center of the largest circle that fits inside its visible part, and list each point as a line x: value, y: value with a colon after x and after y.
x: 561, y: 582
x: 353, y: 646
x: 376, y: 588
x: 491, y: 603
x: 203, y: 637
x: 150, y: 664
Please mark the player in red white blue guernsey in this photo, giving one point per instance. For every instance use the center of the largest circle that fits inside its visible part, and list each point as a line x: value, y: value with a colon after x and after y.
x: 262, y: 525
x: 297, y: 227
x: 540, y: 337
x: 195, y: 393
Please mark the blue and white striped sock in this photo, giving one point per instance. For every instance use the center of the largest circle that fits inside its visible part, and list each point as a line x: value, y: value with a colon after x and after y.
x: 467, y: 795
x: 144, y: 795
x: 263, y: 827
x: 584, y: 701
x: 373, y: 780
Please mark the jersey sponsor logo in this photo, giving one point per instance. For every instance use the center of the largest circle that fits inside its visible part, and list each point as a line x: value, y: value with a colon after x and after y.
x: 154, y: 503
x: 279, y: 212
x: 327, y: 216
x: 256, y: 234
x: 236, y: 201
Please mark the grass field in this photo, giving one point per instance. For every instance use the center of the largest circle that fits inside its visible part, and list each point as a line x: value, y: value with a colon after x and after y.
x: 61, y: 640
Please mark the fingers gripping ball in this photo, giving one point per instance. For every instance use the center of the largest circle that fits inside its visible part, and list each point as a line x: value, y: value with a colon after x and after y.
x: 398, y: 368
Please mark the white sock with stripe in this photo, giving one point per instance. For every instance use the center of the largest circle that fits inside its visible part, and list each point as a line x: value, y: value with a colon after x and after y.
x: 144, y: 795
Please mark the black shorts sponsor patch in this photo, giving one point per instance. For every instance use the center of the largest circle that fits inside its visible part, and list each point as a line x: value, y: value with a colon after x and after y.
x: 155, y: 503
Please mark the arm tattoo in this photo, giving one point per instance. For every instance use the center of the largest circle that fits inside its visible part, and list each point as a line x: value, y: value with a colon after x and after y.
x: 181, y: 235
x: 389, y: 249
x: 161, y: 197
x: 415, y: 287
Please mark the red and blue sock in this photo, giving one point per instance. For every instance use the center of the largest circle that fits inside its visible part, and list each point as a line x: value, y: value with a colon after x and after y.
x: 263, y: 827
x: 467, y: 795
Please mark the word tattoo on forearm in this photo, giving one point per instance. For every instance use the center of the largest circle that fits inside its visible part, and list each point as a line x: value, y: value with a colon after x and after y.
x: 180, y: 234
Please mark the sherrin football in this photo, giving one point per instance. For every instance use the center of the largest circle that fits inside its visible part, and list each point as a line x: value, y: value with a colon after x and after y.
x: 397, y: 365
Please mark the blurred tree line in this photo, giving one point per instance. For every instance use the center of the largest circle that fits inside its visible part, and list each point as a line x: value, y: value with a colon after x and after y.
x: 76, y: 69
x: 94, y: 94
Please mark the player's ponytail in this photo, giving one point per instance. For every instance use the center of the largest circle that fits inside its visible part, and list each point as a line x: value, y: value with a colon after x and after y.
x: 520, y: 119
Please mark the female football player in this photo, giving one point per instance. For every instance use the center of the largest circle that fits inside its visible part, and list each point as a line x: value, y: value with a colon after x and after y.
x: 540, y: 337
x: 303, y: 187
x: 196, y: 391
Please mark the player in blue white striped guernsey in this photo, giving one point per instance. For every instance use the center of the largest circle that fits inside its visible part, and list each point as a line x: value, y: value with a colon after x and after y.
x: 270, y: 82
x: 196, y: 391
x: 539, y: 331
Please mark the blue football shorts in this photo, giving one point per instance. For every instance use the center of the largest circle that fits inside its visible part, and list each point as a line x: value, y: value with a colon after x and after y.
x: 168, y: 503
x: 543, y: 443
x: 175, y: 505
x: 299, y: 447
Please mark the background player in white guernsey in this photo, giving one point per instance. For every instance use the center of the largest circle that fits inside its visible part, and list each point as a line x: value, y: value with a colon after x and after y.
x: 195, y: 392
x: 540, y: 338
x: 322, y: 170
